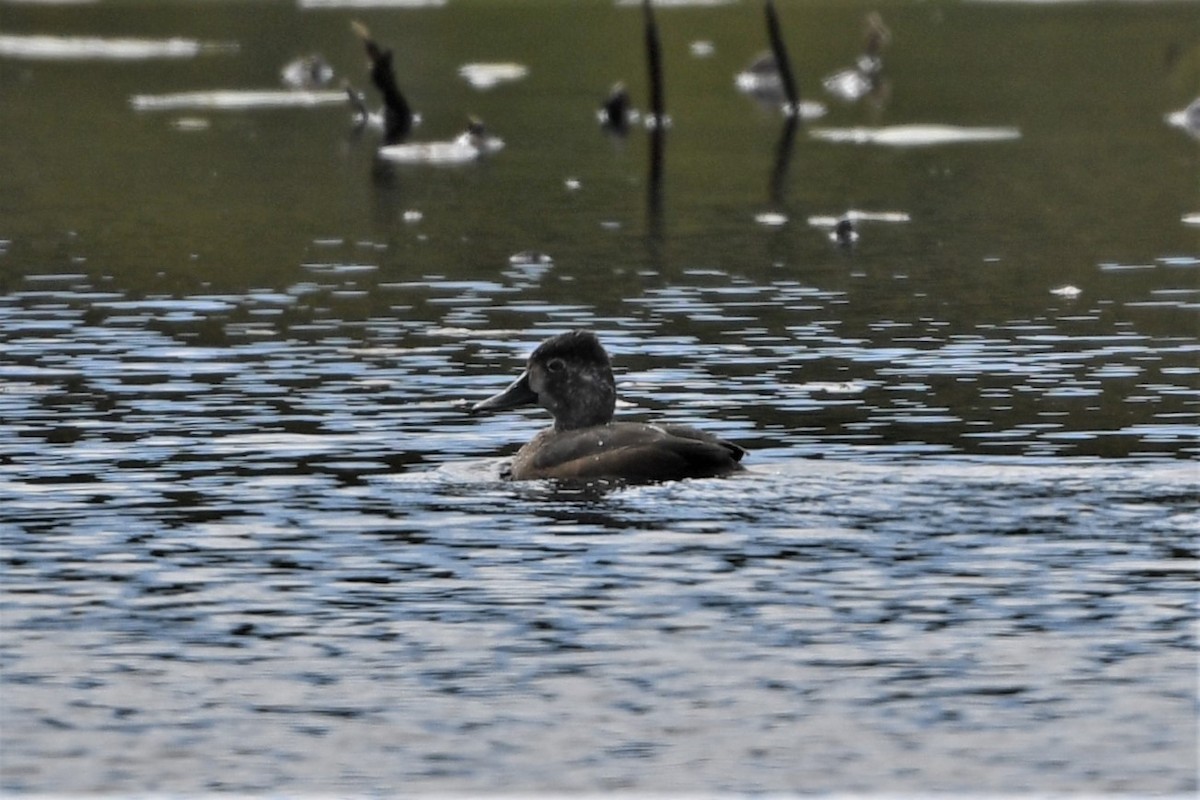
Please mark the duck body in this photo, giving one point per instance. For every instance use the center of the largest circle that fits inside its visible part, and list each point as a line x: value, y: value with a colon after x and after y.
x: 570, y: 375
x: 632, y: 451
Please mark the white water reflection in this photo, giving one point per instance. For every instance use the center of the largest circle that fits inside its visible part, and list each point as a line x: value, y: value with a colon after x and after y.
x: 236, y: 100
x: 916, y: 135
x: 859, y: 215
x: 490, y: 75
x: 1068, y: 291
x: 371, y: 3
x: 678, y: 3
x: 817, y: 386
x: 82, y: 48
x: 1187, y: 120
x: 463, y: 149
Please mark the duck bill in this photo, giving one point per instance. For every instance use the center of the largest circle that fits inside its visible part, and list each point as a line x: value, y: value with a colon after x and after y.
x: 518, y: 394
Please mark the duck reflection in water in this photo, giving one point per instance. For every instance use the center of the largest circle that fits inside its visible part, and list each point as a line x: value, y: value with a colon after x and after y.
x: 570, y: 375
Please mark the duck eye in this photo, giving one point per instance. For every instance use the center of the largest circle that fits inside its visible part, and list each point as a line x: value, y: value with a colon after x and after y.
x: 555, y: 365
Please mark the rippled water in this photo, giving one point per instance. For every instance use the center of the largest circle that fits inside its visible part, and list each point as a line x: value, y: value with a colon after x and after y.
x: 820, y: 625
x: 252, y: 541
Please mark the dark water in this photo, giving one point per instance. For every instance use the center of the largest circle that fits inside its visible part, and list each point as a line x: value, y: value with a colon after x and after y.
x: 251, y: 540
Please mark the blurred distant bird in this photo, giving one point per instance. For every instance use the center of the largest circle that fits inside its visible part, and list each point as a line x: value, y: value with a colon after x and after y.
x: 307, y: 72
x: 865, y: 76
x: 769, y: 77
x: 617, y: 113
x: 844, y: 232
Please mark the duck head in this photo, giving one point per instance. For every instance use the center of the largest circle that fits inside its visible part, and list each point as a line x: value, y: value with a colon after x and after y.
x: 570, y: 376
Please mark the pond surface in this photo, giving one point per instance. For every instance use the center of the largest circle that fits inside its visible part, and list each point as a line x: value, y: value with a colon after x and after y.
x: 253, y: 542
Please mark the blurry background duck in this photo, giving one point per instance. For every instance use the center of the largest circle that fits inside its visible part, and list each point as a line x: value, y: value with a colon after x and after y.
x: 866, y: 76
x: 769, y: 79
x: 307, y: 72
x: 761, y: 77
x: 617, y: 113
x: 570, y: 375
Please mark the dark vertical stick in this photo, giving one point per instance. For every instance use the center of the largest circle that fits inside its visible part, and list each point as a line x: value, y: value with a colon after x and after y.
x: 654, y: 184
x: 654, y: 64
x: 782, y: 63
x: 657, y: 123
x: 397, y: 114
x: 783, y: 157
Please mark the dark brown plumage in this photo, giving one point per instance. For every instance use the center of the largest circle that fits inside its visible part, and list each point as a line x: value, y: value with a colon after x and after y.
x: 570, y: 375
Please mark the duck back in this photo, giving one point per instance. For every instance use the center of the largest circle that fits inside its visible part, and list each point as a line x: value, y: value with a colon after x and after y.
x: 626, y: 450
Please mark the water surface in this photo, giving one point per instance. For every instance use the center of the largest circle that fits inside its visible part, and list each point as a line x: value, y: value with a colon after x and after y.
x: 253, y: 542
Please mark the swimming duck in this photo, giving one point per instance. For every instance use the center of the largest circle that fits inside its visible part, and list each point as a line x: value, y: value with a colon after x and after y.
x: 570, y: 375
